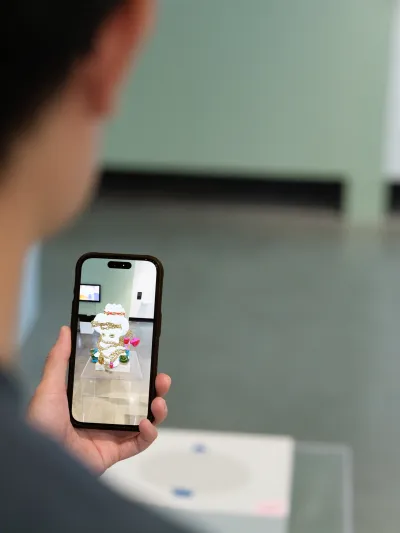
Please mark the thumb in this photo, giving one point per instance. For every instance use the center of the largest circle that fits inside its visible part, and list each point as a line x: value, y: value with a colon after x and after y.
x: 57, y: 361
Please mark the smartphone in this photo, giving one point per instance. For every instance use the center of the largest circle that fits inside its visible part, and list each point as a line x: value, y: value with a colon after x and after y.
x: 115, y: 326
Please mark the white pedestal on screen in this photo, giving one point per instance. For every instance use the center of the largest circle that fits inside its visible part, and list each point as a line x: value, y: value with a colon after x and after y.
x: 86, y: 327
x: 120, y: 394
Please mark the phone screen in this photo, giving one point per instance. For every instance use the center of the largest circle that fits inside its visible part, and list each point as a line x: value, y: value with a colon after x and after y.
x: 115, y: 335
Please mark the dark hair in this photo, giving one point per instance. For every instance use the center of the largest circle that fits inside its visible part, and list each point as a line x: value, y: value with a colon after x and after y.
x: 40, y: 40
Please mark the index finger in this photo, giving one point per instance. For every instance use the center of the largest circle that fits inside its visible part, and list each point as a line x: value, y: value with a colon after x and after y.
x: 163, y: 384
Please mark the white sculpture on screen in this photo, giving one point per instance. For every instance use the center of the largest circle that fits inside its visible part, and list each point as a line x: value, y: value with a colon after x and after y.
x: 112, y: 347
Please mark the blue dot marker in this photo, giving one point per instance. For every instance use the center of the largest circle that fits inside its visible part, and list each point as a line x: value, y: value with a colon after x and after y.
x: 181, y: 492
x: 200, y: 448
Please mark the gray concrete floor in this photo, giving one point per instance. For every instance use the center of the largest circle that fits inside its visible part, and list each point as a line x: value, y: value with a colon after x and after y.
x: 274, y: 321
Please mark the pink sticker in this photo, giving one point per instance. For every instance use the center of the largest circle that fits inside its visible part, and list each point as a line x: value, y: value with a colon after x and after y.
x: 272, y: 509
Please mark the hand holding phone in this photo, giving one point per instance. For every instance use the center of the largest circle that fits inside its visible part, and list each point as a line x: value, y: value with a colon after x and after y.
x: 49, y: 411
x: 98, y: 450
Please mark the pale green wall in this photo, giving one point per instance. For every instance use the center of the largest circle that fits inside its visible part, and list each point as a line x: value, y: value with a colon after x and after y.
x: 30, y: 293
x: 264, y: 86
x: 116, y: 286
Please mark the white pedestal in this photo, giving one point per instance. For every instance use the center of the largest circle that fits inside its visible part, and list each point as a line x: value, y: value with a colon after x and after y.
x: 213, y: 474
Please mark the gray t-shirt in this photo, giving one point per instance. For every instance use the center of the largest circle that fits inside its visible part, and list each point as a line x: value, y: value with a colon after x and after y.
x: 43, y: 489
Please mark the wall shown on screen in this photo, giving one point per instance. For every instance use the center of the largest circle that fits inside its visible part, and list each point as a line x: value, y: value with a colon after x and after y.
x: 143, y: 291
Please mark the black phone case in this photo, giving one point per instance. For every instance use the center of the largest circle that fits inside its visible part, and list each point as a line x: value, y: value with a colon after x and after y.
x: 156, y: 335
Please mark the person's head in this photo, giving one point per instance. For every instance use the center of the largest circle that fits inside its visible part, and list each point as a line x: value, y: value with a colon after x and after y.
x: 62, y: 64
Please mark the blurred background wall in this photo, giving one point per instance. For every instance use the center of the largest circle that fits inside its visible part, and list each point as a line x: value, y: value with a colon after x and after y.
x: 392, y: 134
x: 30, y: 293
x: 263, y: 88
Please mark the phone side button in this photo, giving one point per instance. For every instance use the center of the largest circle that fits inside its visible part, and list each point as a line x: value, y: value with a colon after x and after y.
x: 160, y: 326
x: 72, y: 312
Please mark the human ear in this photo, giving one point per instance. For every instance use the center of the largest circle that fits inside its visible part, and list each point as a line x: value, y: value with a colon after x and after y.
x: 115, y: 49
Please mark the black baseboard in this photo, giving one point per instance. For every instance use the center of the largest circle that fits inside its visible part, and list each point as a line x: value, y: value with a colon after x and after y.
x: 285, y: 191
x: 136, y: 319
x: 394, y: 198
